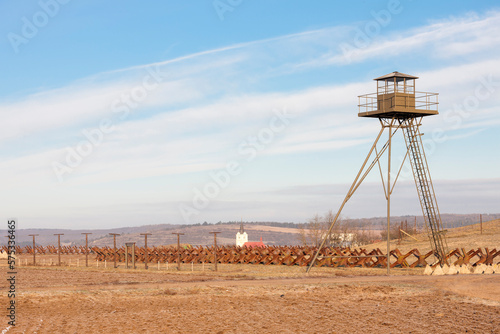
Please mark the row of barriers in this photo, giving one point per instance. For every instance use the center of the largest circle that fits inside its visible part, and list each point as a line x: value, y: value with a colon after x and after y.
x: 275, y: 255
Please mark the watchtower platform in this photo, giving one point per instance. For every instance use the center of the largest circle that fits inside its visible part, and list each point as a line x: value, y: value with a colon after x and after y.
x: 396, y: 98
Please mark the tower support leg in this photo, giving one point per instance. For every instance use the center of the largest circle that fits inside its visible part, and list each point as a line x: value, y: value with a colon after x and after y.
x: 355, y: 185
x: 388, y: 194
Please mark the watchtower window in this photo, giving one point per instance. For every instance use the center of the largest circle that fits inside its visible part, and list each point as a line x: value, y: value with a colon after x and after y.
x: 398, y: 85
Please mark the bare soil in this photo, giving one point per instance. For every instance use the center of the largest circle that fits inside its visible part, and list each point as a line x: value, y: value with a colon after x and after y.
x: 250, y: 299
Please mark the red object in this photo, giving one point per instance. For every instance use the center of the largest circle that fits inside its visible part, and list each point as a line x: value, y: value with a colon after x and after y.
x: 252, y: 244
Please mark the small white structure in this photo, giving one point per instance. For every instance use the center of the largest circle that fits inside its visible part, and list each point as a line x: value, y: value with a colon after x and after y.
x: 241, y: 236
x: 341, y: 239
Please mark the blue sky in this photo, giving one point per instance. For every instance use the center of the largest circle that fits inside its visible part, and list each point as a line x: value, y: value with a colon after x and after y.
x: 120, y: 114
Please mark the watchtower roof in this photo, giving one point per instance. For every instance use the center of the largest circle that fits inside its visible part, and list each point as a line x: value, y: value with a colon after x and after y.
x: 396, y: 74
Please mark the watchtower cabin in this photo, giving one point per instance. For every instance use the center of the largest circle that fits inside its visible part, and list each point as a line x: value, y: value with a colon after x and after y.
x: 396, y: 98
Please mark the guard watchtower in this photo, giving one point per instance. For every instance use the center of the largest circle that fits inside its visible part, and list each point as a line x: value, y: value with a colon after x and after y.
x: 398, y: 106
x: 396, y: 97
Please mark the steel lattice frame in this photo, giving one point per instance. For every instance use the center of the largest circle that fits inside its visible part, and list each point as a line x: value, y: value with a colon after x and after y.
x: 397, y: 106
x: 425, y: 189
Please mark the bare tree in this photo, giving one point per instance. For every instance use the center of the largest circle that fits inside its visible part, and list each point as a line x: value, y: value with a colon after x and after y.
x: 303, y: 234
x: 363, y: 236
x: 394, y: 232
x: 311, y: 233
x: 316, y: 230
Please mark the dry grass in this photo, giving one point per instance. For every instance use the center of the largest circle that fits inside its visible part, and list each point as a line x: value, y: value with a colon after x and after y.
x: 167, y: 292
x: 83, y: 301
x: 467, y: 237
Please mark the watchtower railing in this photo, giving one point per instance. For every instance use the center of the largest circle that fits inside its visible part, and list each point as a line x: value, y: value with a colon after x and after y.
x: 423, y: 101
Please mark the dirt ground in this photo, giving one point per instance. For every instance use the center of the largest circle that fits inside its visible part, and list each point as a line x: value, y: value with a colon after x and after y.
x: 250, y: 299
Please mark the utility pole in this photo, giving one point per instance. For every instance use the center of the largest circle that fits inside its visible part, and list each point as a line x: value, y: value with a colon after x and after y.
x: 215, y: 248
x: 34, y: 249
x: 178, y: 250
x: 114, y: 246
x: 87, y: 248
x: 59, y: 248
x: 146, y: 249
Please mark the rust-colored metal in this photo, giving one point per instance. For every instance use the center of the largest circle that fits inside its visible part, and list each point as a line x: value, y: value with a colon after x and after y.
x: 420, y: 259
x: 276, y: 255
x: 400, y: 258
x: 331, y: 257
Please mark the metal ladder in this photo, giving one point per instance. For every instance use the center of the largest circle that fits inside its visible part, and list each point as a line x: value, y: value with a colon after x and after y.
x: 425, y: 189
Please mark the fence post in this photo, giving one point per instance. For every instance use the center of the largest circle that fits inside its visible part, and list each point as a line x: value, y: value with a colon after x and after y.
x: 86, y: 248
x: 215, y: 248
x: 34, y: 248
x: 146, y: 253
x: 178, y: 250
x: 59, y: 248
x: 114, y: 247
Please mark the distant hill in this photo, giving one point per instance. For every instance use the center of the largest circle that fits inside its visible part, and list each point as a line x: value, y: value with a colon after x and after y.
x: 200, y: 235
x: 272, y: 233
x: 75, y: 237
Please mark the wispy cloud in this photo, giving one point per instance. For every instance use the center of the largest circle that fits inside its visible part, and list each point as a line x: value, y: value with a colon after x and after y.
x: 449, y: 38
x: 207, y: 103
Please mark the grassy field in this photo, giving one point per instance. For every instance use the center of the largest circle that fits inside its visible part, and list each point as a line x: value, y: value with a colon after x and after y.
x: 467, y: 237
x: 250, y: 299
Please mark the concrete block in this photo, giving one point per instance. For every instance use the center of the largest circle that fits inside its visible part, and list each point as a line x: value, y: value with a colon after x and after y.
x: 464, y: 270
x: 479, y: 269
x: 488, y: 270
x: 438, y: 271
x: 428, y: 270
x: 445, y: 269
x: 452, y: 270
